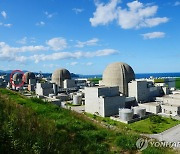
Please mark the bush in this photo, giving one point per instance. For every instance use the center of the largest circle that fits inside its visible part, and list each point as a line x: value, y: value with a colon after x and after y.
x: 157, y: 119
x: 127, y: 142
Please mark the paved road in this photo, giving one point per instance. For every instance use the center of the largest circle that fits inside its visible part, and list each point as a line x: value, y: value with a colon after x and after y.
x: 170, y: 135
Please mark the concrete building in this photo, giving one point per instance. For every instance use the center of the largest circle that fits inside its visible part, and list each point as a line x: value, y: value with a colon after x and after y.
x: 44, y: 89
x: 29, y: 75
x: 17, y: 77
x: 59, y: 76
x: 170, y: 104
x: 104, y: 101
x: 139, y: 90
x: 69, y: 83
x: 173, y: 110
x: 151, y: 107
x: 118, y: 74
x: 144, y: 91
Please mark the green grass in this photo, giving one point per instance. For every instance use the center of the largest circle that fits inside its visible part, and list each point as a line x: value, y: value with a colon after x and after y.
x: 178, y: 83
x: 153, y: 125
x: 95, y: 80
x: 30, y: 125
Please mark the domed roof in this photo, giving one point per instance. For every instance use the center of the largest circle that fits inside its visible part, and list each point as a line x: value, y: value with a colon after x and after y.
x: 60, y: 75
x: 17, y: 77
x: 118, y: 74
x: 29, y: 75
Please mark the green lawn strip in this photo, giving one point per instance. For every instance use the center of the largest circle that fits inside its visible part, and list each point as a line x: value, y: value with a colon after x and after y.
x: 150, y: 126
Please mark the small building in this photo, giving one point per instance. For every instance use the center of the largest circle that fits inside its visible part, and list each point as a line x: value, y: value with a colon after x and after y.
x: 68, y: 83
x: 151, y: 107
x: 144, y: 91
x: 44, y: 89
x: 173, y: 110
x: 104, y: 101
x: 139, y: 90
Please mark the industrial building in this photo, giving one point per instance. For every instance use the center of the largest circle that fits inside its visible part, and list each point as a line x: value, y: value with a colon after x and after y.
x: 118, y: 74
x: 103, y: 101
x: 144, y: 91
x: 62, y: 78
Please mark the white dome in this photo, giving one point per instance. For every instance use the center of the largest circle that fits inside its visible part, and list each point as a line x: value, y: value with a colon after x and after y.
x: 118, y: 74
x: 60, y: 75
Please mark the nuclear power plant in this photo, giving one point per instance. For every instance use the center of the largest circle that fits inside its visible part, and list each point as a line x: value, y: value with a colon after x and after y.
x: 119, y: 95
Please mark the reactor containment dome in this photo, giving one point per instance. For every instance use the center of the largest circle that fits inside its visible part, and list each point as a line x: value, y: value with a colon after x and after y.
x: 17, y: 77
x: 60, y: 75
x: 118, y: 74
x: 29, y: 75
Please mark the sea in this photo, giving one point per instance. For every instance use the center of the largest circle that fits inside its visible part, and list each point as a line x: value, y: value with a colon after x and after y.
x: 138, y: 75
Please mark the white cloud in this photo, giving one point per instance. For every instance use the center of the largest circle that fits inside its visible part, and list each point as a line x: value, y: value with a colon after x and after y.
x: 105, y: 13
x: 89, y: 63
x: 136, y: 15
x: 4, y: 14
x: 9, y: 53
x: 41, y: 23
x: 73, y: 63
x: 49, y: 15
x: 22, y: 41
x: 73, y: 55
x: 91, y: 42
x: 57, y: 43
x: 8, y: 25
x: 153, y: 35
x: 177, y: 3
x: 5, y: 25
x: 51, y: 65
x: 5, y: 48
x: 19, y: 54
x: 77, y: 10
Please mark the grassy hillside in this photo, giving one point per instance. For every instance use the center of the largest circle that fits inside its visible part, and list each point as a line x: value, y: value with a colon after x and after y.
x: 34, y: 126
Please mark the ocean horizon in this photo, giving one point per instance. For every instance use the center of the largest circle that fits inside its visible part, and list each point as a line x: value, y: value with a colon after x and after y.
x: 139, y: 75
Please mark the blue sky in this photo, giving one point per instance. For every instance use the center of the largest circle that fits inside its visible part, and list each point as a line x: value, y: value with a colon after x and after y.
x: 84, y: 36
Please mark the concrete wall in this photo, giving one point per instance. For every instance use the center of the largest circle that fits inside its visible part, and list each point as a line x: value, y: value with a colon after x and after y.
x: 139, y: 90
x: 44, y: 89
x: 108, y: 91
x: 112, y: 105
x: 151, y: 107
x: 91, y: 100
x: 102, y: 100
x: 69, y: 83
x: 172, y: 110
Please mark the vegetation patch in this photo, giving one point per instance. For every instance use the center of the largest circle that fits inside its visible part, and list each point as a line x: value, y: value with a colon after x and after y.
x: 30, y: 125
x: 154, y: 124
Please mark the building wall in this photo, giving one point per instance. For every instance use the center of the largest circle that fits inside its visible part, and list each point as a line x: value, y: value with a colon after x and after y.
x: 172, y: 110
x: 151, y: 107
x: 69, y: 83
x: 171, y: 100
x: 91, y: 100
x: 112, y: 105
x: 139, y: 90
x: 44, y: 89
x: 108, y: 91
x: 102, y: 100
